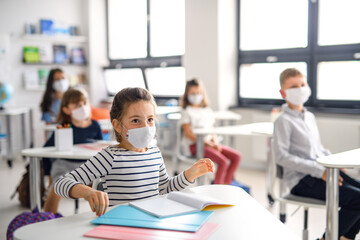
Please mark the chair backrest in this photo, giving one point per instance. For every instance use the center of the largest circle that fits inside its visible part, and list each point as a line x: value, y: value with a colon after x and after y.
x: 272, y: 172
x: 275, y: 171
x: 179, y: 148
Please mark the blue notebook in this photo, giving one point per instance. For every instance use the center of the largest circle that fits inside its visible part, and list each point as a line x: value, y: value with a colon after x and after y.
x: 124, y: 215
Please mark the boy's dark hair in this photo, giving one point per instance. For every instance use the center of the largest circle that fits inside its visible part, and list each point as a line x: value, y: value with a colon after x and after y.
x: 72, y: 95
x: 194, y: 83
x: 124, y: 99
x: 289, y: 72
x: 47, y: 98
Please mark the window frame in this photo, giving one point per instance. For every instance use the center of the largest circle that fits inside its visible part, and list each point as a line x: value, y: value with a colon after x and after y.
x: 312, y: 55
x: 143, y: 63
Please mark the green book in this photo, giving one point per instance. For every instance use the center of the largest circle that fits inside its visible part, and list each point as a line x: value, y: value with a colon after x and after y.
x: 31, y: 54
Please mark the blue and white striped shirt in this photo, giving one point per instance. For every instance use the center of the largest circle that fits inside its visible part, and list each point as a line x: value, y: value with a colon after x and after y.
x: 126, y: 175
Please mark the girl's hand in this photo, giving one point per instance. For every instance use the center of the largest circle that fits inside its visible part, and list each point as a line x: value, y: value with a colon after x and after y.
x: 98, y: 201
x: 199, y: 168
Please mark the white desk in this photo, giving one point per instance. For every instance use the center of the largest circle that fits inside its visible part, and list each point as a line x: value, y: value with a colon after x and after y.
x: 35, y: 154
x: 348, y: 159
x: 262, y: 128
x: 246, y: 220
x: 252, y: 129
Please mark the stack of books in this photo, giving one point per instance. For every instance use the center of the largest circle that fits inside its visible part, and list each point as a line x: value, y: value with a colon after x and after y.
x: 179, y: 214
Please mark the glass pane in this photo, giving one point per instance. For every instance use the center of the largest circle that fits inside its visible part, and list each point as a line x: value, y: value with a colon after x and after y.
x: 168, y: 81
x: 338, y: 80
x: 127, y: 23
x: 262, y: 80
x: 117, y: 79
x: 167, y: 30
x: 275, y: 24
x: 339, y: 22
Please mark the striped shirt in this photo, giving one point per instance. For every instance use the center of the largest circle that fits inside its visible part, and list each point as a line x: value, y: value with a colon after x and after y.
x: 126, y: 175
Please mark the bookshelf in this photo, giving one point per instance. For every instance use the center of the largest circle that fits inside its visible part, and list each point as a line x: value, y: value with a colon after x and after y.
x: 72, y: 70
x: 55, y: 38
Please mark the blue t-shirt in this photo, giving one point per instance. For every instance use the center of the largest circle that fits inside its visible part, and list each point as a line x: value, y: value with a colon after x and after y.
x: 51, y: 116
x: 88, y: 134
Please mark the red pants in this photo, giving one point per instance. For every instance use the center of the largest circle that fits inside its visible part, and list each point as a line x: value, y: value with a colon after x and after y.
x: 227, y: 162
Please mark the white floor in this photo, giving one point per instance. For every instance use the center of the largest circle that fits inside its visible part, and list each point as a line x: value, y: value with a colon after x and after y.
x: 10, y: 177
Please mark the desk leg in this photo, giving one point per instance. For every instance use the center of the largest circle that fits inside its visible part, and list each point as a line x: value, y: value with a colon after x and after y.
x: 23, y: 130
x: 332, y: 203
x: 200, y: 154
x: 35, y: 183
x: 9, y: 141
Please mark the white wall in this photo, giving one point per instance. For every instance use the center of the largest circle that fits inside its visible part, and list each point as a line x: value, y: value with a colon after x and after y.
x: 13, y: 16
x: 210, y: 51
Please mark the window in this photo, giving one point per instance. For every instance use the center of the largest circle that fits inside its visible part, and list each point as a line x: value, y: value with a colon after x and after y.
x: 117, y: 79
x: 166, y: 82
x: 319, y: 37
x: 148, y: 35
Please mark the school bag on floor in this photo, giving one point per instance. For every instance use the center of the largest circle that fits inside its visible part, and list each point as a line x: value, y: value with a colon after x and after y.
x: 26, y: 218
x: 23, y: 189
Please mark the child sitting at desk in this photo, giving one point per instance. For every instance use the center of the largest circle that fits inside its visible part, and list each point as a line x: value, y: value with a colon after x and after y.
x: 56, y: 85
x: 74, y: 110
x: 132, y: 169
x: 197, y: 114
x: 297, y: 145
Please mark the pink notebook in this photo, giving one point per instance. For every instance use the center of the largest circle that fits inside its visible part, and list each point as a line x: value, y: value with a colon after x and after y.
x: 133, y: 233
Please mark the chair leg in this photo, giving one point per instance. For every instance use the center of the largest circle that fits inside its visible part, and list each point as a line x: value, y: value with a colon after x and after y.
x: 305, y: 230
x: 76, y: 206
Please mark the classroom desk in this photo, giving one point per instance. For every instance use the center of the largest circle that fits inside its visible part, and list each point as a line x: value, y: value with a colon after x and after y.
x: 35, y: 154
x: 348, y: 159
x: 262, y: 129
x: 252, y: 129
x: 246, y: 220
x: 8, y: 113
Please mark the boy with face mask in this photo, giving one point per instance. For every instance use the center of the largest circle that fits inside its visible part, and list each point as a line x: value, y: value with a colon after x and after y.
x: 297, y: 145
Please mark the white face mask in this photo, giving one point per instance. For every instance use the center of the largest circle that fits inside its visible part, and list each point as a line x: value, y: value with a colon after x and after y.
x: 81, y: 113
x: 195, y: 98
x: 61, y: 85
x: 298, y: 96
x: 141, y: 137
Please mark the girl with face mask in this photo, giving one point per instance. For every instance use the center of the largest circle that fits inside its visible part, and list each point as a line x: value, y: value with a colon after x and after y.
x: 74, y: 111
x: 197, y: 114
x: 133, y: 169
x: 56, y: 85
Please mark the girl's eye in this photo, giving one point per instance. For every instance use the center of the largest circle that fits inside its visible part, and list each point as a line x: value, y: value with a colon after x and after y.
x: 150, y: 120
x: 135, y: 121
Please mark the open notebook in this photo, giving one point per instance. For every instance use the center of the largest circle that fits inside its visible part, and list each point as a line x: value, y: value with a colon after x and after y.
x: 176, y: 203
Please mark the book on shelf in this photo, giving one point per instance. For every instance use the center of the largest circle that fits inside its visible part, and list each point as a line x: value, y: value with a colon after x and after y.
x: 31, y: 79
x: 60, y: 55
x: 46, y: 53
x: 46, y: 26
x: 176, y: 203
x: 77, y: 55
x: 31, y: 54
x: 43, y: 76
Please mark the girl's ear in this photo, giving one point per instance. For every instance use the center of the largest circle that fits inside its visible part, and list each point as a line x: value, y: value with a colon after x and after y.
x: 66, y: 110
x: 116, y: 125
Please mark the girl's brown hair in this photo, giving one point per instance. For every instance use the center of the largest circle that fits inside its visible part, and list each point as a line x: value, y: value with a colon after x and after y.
x: 72, y: 95
x: 194, y: 83
x: 47, y: 98
x: 124, y: 99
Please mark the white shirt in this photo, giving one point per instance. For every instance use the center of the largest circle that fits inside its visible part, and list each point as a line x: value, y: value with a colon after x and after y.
x: 197, y: 117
